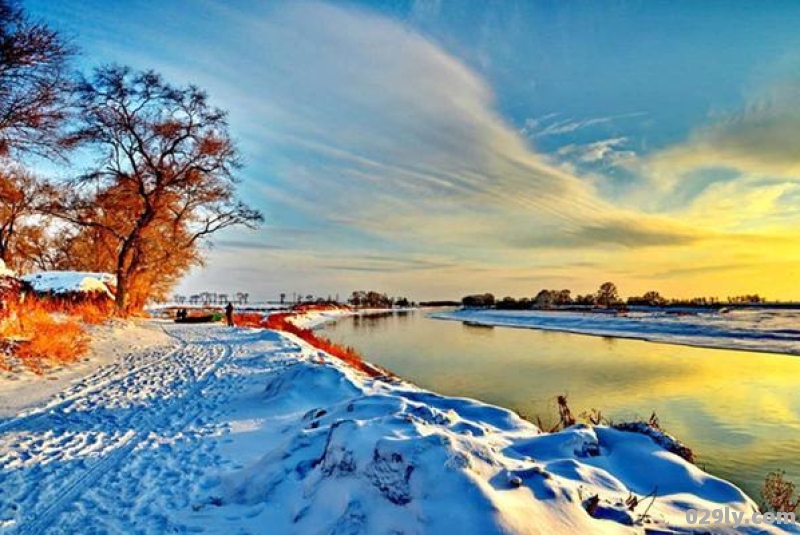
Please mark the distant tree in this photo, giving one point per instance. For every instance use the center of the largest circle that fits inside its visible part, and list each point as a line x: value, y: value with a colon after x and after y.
x: 510, y: 303
x: 651, y: 298
x: 607, y: 294
x: 654, y: 298
x: 507, y: 303
x: 562, y: 297
x: 544, y: 299
x: 283, y: 297
x: 358, y: 298
x: 370, y: 299
x: 163, y: 179
x: 747, y: 299
x: 34, y: 83
x: 478, y: 301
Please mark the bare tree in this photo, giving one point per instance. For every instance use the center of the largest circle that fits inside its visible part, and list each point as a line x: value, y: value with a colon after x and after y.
x: 34, y: 83
x: 163, y: 178
x: 22, y: 230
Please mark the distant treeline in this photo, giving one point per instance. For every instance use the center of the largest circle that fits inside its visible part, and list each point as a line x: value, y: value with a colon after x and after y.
x: 439, y: 303
x: 372, y: 299
x: 607, y: 296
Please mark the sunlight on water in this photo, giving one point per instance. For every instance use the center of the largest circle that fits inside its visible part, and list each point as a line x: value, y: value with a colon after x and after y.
x: 739, y: 411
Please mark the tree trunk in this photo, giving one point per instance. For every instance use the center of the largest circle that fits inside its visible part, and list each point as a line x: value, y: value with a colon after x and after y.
x: 121, y: 297
x: 123, y: 280
x: 127, y: 262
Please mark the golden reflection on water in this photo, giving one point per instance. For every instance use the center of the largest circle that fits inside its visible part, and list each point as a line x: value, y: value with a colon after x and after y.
x: 739, y: 411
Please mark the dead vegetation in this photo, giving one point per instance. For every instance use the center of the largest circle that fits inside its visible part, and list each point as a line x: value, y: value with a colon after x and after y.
x: 41, y: 333
x: 651, y: 427
x: 778, y: 494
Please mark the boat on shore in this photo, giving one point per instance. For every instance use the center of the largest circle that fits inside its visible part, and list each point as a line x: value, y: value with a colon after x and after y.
x: 205, y: 318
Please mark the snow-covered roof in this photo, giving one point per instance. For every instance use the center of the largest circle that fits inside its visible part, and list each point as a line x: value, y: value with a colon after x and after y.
x: 4, y: 271
x: 62, y: 282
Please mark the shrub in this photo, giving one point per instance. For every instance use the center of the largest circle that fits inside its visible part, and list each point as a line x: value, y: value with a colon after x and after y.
x: 54, y: 342
x: 40, y: 332
x: 777, y: 494
x: 248, y: 319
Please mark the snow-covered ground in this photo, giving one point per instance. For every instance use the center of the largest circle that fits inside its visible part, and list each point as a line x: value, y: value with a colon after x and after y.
x: 252, y: 431
x: 769, y: 330
x: 23, y: 389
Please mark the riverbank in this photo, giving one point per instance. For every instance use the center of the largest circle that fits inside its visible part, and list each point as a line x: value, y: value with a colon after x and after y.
x: 761, y: 330
x: 238, y: 429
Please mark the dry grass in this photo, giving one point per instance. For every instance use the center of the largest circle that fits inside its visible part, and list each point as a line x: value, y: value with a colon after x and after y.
x: 778, y: 495
x: 91, y: 313
x: 282, y: 322
x: 248, y: 319
x: 39, y: 333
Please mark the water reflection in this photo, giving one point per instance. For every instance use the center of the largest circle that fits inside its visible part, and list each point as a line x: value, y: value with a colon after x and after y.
x: 740, y: 411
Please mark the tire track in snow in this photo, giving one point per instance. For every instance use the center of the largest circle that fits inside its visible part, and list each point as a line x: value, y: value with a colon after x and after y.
x: 180, y: 362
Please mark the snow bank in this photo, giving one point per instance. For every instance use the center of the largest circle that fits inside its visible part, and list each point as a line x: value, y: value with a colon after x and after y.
x: 312, y: 319
x: 766, y: 330
x: 322, y: 449
x: 66, y: 282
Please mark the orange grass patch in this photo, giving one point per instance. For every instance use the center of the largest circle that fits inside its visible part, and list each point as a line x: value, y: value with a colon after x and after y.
x: 38, y: 333
x: 248, y: 319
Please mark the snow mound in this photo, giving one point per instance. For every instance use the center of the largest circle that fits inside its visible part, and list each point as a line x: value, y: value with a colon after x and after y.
x: 68, y: 282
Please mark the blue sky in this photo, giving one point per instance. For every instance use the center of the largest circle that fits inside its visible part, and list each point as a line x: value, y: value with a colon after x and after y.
x: 437, y: 148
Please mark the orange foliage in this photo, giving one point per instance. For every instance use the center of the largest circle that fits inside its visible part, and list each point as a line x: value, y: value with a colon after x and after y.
x: 42, y: 332
x: 54, y: 342
x: 248, y: 319
x: 282, y: 322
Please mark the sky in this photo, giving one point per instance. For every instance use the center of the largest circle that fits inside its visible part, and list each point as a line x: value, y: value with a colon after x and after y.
x: 433, y: 149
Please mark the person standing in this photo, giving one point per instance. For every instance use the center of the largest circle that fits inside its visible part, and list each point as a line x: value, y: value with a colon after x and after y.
x: 229, y: 314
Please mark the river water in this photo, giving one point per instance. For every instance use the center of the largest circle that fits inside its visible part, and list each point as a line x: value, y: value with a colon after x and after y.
x: 739, y: 411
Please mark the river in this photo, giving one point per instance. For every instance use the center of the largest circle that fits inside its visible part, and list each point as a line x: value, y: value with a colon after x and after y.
x: 739, y: 411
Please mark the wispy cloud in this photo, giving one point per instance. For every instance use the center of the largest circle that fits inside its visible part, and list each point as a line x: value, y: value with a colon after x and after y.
x: 552, y: 125
x: 608, y: 151
x: 762, y: 139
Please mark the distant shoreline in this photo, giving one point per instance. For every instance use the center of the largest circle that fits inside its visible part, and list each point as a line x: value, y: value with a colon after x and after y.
x: 732, y: 343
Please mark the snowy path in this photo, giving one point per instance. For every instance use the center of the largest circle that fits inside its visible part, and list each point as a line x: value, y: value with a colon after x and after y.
x: 81, y: 442
x: 245, y: 431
